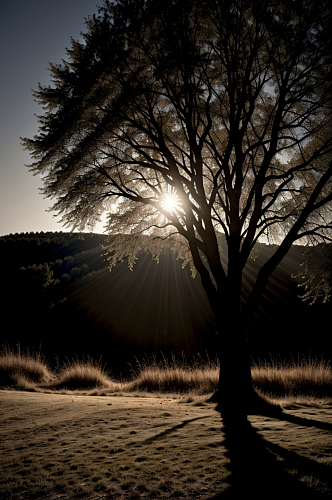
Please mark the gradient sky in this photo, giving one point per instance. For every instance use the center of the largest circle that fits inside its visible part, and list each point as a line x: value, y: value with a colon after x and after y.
x: 32, y: 34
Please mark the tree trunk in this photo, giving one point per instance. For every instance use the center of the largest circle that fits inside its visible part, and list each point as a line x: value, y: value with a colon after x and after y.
x: 235, y: 383
x: 235, y: 391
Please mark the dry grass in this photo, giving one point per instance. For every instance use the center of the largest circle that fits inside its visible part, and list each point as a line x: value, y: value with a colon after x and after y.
x: 148, y: 447
x: 82, y: 374
x: 156, y: 437
x: 23, y: 370
x: 175, y: 376
x: 302, y: 377
x: 26, y: 371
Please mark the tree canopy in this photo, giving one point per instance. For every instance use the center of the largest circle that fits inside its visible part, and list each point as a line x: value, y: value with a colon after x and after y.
x: 225, y: 107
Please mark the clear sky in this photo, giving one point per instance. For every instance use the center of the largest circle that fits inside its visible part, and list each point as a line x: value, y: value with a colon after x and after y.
x: 32, y: 34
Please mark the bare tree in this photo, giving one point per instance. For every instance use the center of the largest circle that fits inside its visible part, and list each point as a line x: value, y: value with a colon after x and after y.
x: 190, y: 124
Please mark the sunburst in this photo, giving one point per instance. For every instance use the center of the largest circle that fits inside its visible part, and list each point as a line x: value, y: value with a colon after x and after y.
x: 170, y: 202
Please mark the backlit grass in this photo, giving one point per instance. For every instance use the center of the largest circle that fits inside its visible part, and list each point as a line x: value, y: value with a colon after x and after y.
x: 82, y: 374
x: 175, y: 376
x: 26, y: 371
x: 23, y: 369
x: 160, y: 439
x: 306, y: 376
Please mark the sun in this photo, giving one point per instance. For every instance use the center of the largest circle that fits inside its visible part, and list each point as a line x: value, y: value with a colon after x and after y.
x: 170, y: 202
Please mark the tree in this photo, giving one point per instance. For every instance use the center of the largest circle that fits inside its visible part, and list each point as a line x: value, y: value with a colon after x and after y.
x: 317, y: 274
x: 196, y: 124
x: 36, y: 279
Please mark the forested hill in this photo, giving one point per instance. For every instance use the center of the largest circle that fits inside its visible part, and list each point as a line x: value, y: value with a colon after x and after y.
x: 58, y: 295
x: 40, y: 271
x: 27, y: 249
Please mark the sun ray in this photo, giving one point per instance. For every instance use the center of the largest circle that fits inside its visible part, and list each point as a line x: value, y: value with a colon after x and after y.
x: 171, y: 202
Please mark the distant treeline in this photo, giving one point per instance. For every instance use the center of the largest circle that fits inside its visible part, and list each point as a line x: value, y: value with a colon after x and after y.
x: 43, y: 266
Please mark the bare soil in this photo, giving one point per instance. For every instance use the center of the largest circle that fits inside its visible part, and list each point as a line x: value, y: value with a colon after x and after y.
x: 157, y: 447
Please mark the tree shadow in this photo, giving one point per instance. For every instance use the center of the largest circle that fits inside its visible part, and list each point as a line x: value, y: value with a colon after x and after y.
x: 305, y: 422
x: 266, y: 470
x: 170, y: 430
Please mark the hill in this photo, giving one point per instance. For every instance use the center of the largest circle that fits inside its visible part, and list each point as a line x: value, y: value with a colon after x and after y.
x: 60, y: 297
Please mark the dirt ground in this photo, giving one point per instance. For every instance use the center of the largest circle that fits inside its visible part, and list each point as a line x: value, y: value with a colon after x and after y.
x: 156, y: 447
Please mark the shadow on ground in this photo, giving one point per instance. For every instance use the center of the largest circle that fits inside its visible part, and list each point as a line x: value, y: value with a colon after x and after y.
x: 266, y: 470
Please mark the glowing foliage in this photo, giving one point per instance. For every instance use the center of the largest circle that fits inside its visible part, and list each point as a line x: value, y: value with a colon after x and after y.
x: 189, y: 120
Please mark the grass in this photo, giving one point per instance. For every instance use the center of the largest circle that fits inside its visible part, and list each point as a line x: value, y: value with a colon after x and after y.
x: 23, y: 370
x: 73, y: 446
x: 301, y: 377
x: 82, y: 374
x: 160, y: 439
x: 28, y: 371
x: 175, y: 376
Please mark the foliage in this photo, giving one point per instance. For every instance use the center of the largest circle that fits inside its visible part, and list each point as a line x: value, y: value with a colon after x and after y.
x: 36, y: 277
x: 36, y: 300
x: 317, y: 274
x: 37, y: 262
x: 223, y: 107
x: 27, y: 249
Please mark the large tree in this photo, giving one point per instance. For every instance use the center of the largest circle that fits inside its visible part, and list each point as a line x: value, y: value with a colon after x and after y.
x: 194, y: 124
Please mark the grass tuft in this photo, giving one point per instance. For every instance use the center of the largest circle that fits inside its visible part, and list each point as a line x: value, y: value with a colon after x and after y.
x: 22, y: 370
x: 82, y: 374
x: 175, y: 376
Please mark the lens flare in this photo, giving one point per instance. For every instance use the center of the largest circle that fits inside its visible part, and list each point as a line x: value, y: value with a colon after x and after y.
x: 170, y: 202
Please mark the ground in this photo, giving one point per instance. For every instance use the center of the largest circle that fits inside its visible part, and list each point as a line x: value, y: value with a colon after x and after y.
x: 56, y: 446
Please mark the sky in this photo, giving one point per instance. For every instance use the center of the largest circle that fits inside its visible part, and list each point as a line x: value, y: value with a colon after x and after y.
x: 33, y: 33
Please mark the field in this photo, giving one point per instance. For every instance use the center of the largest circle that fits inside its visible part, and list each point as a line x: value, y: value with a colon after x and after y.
x: 134, y: 447
x: 119, y: 442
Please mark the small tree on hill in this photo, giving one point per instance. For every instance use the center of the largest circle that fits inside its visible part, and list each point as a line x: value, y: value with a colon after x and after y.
x: 192, y: 123
x: 317, y: 274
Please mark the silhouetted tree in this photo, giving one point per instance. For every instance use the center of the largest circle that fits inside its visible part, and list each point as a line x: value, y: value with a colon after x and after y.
x: 222, y: 107
x: 36, y: 278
